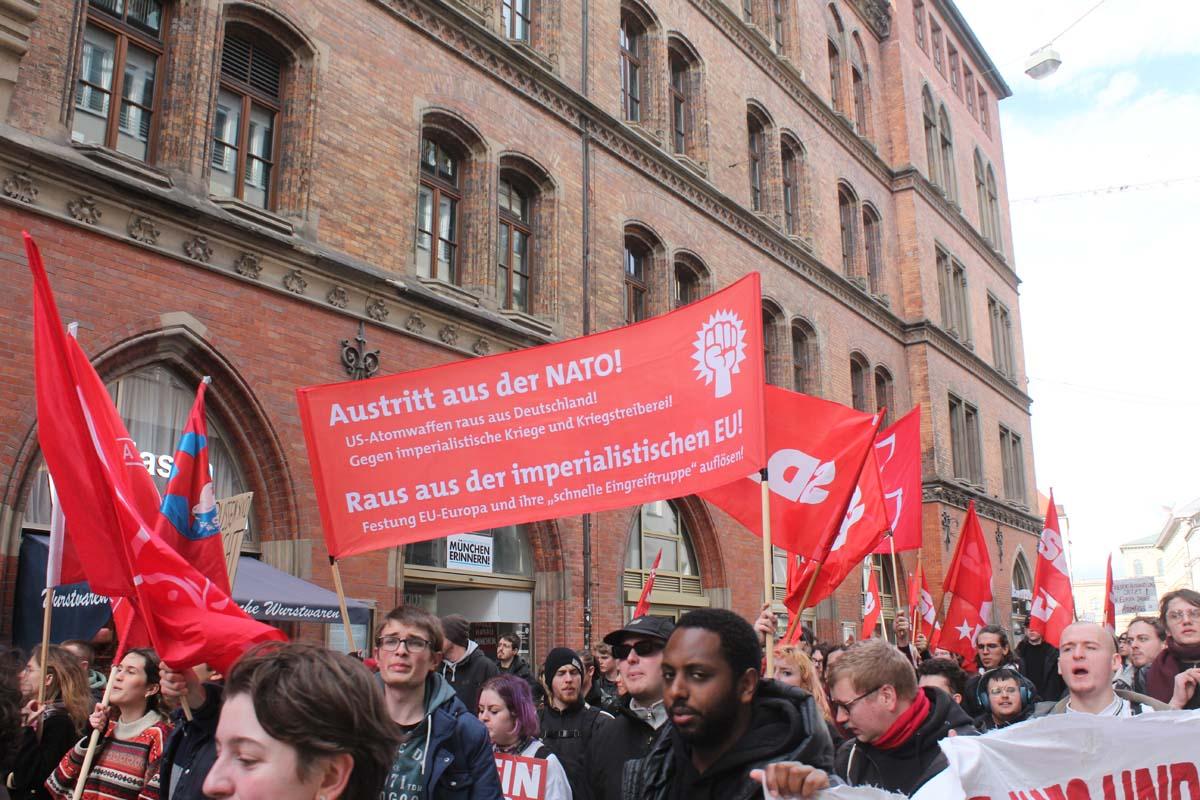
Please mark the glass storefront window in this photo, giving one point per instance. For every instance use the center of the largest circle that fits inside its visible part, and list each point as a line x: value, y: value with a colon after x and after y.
x: 511, y: 553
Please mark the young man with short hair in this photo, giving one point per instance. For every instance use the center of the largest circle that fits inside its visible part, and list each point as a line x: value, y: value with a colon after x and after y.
x: 464, y: 665
x: 895, y: 725
x: 1010, y: 697
x: 509, y: 661
x: 726, y: 720
x: 992, y: 652
x: 1088, y: 660
x: 604, y: 685
x: 639, y: 715
x: 444, y: 746
x: 567, y: 724
x: 944, y: 674
x: 1147, y: 638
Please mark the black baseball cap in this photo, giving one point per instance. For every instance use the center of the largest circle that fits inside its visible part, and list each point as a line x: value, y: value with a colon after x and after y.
x: 653, y: 627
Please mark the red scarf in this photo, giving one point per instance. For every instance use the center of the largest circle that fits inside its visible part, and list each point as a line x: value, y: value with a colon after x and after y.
x: 906, y: 724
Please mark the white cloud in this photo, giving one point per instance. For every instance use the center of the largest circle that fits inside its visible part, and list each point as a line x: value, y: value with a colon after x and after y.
x: 1120, y: 88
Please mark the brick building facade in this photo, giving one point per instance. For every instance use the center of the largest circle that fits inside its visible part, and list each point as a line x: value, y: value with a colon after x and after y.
x: 230, y: 189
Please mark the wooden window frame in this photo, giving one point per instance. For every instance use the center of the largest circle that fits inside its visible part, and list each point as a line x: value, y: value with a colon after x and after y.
x: 935, y: 40
x: 632, y: 43
x: 1012, y: 458
x: 859, y: 399
x: 885, y: 396
x: 511, y: 222
x: 969, y: 86
x: 873, y: 244
x: 681, y: 102
x: 955, y: 72
x: 964, y: 441
x: 835, y: 77
x: 440, y: 187
x: 510, y: 13
x: 1000, y: 321
x: 804, y: 361
x: 858, y: 87
x: 251, y: 96
x: 789, y: 159
x: 847, y: 208
x: 757, y: 154
x: 770, y: 337
x: 946, y: 153
x: 929, y: 121
x: 636, y: 286
x: 919, y: 25
x: 122, y: 33
x: 985, y: 121
x: 686, y: 277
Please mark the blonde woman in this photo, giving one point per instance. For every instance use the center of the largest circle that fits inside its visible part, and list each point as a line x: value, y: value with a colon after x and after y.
x: 795, y: 668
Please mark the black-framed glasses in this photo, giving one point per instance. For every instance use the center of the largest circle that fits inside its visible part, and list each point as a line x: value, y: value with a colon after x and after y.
x: 835, y: 706
x: 413, y: 644
x: 644, y: 648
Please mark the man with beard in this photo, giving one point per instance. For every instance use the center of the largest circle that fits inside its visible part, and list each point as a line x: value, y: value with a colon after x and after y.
x: 567, y: 724
x: 896, y: 725
x: 1041, y: 665
x: 639, y: 713
x: 510, y: 663
x: 726, y: 720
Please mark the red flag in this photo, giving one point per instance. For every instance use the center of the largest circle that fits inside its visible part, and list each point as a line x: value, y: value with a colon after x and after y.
x: 898, y: 451
x: 816, y: 451
x: 86, y: 446
x: 969, y: 579
x: 643, y: 606
x: 872, y: 608
x: 1110, y: 599
x: 1053, y: 606
x: 188, y: 516
x: 921, y: 607
x: 62, y: 565
x: 863, y: 526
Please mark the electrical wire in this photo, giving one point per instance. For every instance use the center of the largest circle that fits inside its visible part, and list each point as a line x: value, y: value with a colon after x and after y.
x: 1114, y: 189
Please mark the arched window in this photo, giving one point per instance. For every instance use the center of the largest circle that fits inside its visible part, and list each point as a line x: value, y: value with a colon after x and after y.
x: 681, y: 107
x: 847, y: 212
x: 245, y: 130
x: 858, y: 382
x: 806, y: 376
x: 885, y: 396
x: 116, y: 103
x: 860, y: 85
x: 1022, y: 593
x: 931, y: 145
x: 791, y: 159
x: 756, y: 130
x: 981, y: 197
x: 439, y: 198
x: 634, y: 54
x: 154, y: 404
x: 873, y: 242
x: 771, y: 319
x: 660, y: 526
x: 688, y: 135
x: 691, y: 279
x: 515, y: 245
x: 835, y: 77
x: 994, y: 209
x: 640, y: 249
x: 947, y: 153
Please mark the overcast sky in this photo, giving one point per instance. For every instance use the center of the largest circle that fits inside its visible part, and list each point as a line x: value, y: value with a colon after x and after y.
x: 1111, y: 280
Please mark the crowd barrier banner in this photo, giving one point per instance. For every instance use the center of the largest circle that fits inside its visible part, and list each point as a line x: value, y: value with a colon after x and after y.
x: 663, y: 408
x: 521, y: 778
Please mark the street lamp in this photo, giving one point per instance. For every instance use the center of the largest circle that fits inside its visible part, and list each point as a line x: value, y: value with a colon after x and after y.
x: 1042, y: 63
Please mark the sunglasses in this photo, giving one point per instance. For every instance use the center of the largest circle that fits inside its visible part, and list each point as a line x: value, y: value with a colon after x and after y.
x: 646, y: 647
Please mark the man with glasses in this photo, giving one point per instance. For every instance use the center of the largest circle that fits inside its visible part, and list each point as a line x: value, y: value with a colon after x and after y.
x: 991, y: 652
x: 639, y: 715
x: 445, y: 750
x: 896, y: 725
x: 1010, y: 697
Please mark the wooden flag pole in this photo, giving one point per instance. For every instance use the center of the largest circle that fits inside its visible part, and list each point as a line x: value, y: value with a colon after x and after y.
x: 341, y: 593
x: 47, y: 615
x: 90, y: 756
x: 803, y: 603
x: 768, y: 571
x: 895, y: 583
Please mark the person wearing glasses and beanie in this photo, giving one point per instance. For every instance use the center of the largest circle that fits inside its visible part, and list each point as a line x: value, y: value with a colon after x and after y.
x: 639, y: 713
x: 444, y: 749
x: 895, y: 725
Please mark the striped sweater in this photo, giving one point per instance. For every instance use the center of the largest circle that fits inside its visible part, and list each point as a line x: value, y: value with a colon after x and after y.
x: 123, y: 769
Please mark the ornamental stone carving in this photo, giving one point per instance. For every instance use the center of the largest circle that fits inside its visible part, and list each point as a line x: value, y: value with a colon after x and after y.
x: 294, y: 282
x: 142, y: 229
x: 85, y: 210
x: 415, y: 324
x: 248, y: 265
x: 20, y: 187
x: 337, y: 297
x: 198, y: 249
x: 448, y: 334
x: 376, y: 310
x: 481, y: 347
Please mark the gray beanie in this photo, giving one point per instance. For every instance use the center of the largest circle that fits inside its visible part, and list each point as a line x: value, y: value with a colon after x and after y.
x: 457, y: 629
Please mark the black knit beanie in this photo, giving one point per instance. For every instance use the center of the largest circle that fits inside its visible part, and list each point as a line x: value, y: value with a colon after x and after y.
x: 559, y: 657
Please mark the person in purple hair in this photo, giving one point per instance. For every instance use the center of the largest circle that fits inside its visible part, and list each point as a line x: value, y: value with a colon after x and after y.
x: 506, y: 709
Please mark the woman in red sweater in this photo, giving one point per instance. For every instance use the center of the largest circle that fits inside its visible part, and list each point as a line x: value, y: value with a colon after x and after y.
x: 131, y: 744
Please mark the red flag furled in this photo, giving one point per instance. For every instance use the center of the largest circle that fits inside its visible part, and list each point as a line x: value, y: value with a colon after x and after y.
x: 816, y: 450
x: 1053, y: 606
x: 188, y: 518
x: 86, y: 446
x: 643, y: 606
x: 898, y: 451
x: 1110, y: 599
x: 921, y: 607
x: 969, y: 579
x: 863, y: 526
x: 872, y: 608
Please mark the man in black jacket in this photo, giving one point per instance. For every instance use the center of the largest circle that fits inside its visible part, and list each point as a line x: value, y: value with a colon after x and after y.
x: 510, y: 663
x: 1041, y: 665
x: 726, y: 720
x: 191, y: 749
x: 640, y: 714
x: 464, y: 666
x: 567, y: 724
x: 896, y: 725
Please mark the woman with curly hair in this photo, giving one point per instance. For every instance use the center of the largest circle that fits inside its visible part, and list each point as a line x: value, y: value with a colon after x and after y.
x: 50, y: 729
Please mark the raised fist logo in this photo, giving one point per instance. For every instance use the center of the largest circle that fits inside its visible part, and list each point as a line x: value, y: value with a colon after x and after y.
x: 720, y: 350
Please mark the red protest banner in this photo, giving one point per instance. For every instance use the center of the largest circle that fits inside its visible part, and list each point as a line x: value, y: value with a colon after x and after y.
x: 663, y: 408
x: 521, y: 778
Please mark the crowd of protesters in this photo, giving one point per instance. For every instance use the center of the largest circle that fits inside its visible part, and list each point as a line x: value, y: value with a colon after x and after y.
x: 662, y: 709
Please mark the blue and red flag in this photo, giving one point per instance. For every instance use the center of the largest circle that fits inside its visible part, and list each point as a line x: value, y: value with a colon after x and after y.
x: 188, y: 517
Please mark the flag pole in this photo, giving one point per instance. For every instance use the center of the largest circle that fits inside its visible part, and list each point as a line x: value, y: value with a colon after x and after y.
x: 46, y: 621
x: 768, y: 571
x: 895, y: 584
x: 341, y: 593
x: 803, y: 602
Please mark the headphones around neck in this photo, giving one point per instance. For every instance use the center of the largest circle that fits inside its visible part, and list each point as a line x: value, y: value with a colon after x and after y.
x: 1025, y: 689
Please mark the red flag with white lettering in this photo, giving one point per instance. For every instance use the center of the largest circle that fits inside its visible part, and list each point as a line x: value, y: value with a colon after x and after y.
x: 872, y: 608
x: 1110, y: 599
x: 969, y: 579
x: 816, y: 450
x: 1053, y: 606
x: 643, y: 606
x: 863, y: 526
x: 898, y: 451
x: 921, y: 607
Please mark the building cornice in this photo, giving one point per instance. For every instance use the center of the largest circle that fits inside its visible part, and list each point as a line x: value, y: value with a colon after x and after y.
x: 926, y: 332
x: 987, y: 69
x: 57, y: 182
x: 959, y: 496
